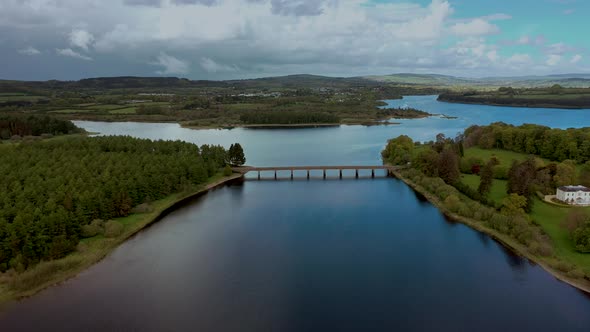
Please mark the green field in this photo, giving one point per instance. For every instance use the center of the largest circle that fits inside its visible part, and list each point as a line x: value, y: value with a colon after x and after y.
x: 497, y: 193
x: 128, y: 110
x: 106, y: 107
x: 550, y: 218
x: 19, y: 98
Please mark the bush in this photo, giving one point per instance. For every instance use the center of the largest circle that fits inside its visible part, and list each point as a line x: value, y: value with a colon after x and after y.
x: 93, y: 229
x: 227, y: 170
x: 113, y: 229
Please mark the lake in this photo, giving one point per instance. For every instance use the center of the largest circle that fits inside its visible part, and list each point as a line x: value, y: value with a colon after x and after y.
x: 318, y: 255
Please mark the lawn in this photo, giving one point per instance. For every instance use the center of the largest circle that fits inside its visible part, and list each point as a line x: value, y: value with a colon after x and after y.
x: 498, y: 191
x: 550, y: 218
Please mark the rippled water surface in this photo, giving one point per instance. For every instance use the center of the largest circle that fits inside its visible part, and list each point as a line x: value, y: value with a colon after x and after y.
x: 333, y: 255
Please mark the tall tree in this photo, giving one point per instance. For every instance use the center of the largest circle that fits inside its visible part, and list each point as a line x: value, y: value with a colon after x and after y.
x: 236, y: 155
x: 448, y: 165
x: 486, y: 177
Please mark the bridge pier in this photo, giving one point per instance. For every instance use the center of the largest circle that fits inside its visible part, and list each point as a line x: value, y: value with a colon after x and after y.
x: 258, y: 175
x: 356, y: 173
x: 341, y: 174
x: 372, y: 173
x: 291, y: 174
x: 275, y: 175
x: 324, y: 173
x: 308, y: 174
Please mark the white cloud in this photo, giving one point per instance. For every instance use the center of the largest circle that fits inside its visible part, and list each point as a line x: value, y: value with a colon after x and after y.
x: 476, y: 27
x: 81, y: 39
x: 493, y: 55
x: 576, y: 58
x: 569, y: 11
x: 519, y: 59
x: 553, y: 59
x: 210, y: 66
x: 71, y: 53
x: 172, y: 65
x: 29, y: 51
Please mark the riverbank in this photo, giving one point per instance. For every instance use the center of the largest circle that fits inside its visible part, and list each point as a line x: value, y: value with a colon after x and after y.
x: 92, y: 250
x: 546, y: 263
x: 290, y: 126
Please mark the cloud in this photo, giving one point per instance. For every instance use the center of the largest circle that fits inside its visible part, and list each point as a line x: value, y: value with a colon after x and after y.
x: 428, y: 26
x: 575, y: 59
x: 553, y: 59
x: 298, y: 7
x: 71, y: 53
x: 81, y: 39
x: 172, y: 65
x: 159, y: 3
x: 29, y: 51
x: 569, y: 11
x: 477, y: 27
x: 210, y: 66
x: 225, y: 39
x: 519, y: 59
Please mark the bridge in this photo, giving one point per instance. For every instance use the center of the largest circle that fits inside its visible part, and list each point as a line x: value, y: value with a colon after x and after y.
x: 308, y: 169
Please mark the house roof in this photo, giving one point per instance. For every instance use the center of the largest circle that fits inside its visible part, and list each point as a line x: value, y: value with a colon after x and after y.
x: 574, y: 188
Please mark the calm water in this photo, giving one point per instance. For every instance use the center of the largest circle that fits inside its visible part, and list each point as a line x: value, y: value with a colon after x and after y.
x: 350, y: 255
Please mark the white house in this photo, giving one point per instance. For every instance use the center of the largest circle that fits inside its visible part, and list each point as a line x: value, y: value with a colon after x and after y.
x: 574, y: 195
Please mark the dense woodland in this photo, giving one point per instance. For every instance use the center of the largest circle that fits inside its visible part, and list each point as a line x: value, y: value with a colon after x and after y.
x: 50, y: 191
x: 553, y: 144
x: 30, y: 125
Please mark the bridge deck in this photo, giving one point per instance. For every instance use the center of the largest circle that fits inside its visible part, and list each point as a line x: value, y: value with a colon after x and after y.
x: 247, y: 169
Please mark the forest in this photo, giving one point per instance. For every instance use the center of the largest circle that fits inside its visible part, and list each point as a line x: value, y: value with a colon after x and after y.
x: 34, y: 125
x: 53, y: 192
x: 553, y: 144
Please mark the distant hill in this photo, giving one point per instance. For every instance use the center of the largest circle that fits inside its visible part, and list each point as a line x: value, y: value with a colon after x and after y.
x: 566, y: 80
x: 297, y: 82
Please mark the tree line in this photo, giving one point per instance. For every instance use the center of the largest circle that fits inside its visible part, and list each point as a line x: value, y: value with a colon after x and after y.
x: 34, y: 125
x: 51, y: 190
x: 552, y: 144
x: 289, y: 117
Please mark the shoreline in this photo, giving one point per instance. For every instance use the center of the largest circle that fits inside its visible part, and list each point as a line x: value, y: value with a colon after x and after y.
x: 291, y: 126
x: 506, y: 241
x: 87, y: 259
x: 516, y: 105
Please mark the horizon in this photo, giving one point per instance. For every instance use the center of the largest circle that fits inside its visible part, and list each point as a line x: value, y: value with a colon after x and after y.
x: 561, y: 75
x: 244, y: 39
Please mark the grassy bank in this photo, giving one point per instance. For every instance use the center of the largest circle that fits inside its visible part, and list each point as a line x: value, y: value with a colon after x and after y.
x: 561, y: 264
x: 92, y: 250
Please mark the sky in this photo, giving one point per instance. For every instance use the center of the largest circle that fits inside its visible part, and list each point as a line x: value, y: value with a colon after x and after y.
x: 236, y: 39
